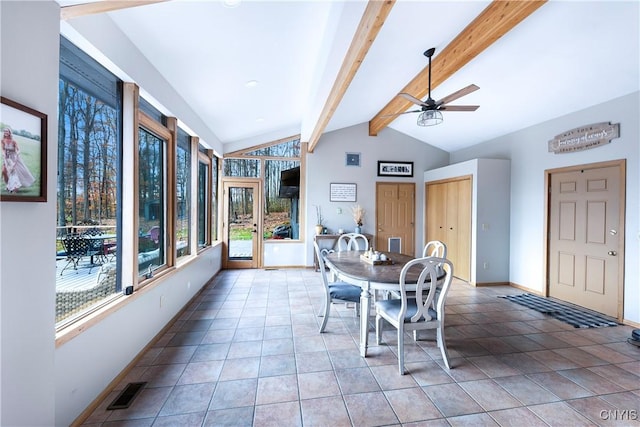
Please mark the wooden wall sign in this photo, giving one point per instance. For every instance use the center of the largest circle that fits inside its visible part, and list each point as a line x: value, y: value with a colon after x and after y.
x: 584, y: 137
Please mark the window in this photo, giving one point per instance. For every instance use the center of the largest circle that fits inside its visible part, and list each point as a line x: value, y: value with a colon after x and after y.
x: 204, y: 228
x: 152, y: 204
x: 183, y: 195
x: 214, y: 198
x: 279, y: 165
x: 101, y: 233
x: 88, y: 186
x: 281, y: 199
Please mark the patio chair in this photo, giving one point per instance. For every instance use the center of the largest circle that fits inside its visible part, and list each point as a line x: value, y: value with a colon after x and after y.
x: 75, y: 246
x: 335, y: 292
x: 95, y: 245
x: 414, y: 312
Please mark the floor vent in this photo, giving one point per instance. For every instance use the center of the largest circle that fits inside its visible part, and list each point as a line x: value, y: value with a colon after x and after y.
x: 125, y: 398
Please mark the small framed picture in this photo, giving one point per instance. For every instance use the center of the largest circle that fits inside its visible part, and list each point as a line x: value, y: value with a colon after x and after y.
x: 23, y: 154
x: 387, y: 168
x: 352, y: 159
x: 343, y: 192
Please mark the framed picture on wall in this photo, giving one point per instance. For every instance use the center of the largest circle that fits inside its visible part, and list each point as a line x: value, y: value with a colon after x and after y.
x: 387, y: 168
x: 23, y: 154
x: 342, y: 192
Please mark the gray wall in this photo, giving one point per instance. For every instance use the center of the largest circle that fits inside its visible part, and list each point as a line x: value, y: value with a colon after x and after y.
x: 527, y: 150
x: 327, y: 164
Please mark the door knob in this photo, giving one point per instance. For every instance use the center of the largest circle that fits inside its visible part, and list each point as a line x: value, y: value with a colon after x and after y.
x: 612, y: 253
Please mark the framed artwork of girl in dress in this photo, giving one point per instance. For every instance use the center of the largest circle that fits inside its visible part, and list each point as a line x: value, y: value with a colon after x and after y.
x: 23, y: 154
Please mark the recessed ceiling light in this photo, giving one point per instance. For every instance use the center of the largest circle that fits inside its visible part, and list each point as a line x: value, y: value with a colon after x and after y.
x: 251, y: 83
x: 231, y: 3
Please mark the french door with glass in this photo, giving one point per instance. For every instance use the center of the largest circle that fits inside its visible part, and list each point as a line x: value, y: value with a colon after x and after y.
x: 242, y: 224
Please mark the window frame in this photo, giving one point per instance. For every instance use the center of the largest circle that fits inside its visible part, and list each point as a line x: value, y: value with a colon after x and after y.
x: 149, y: 124
x: 248, y: 153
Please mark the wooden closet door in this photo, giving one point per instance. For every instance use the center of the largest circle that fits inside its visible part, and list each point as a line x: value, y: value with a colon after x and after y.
x: 462, y: 268
x: 436, y: 211
x: 449, y: 220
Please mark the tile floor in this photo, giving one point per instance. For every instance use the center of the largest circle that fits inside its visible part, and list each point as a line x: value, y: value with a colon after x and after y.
x: 247, y: 352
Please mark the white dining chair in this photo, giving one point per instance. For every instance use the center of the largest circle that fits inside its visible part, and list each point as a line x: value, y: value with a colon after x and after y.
x: 438, y: 249
x: 335, y: 292
x: 352, y: 242
x: 435, y: 248
x: 413, y: 311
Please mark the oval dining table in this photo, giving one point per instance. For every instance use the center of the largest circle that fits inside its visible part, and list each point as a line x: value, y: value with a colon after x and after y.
x: 350, y: 268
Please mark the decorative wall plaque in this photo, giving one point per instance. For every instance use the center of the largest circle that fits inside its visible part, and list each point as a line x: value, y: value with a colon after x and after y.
x: 340, y: 192
x: 584, y: 138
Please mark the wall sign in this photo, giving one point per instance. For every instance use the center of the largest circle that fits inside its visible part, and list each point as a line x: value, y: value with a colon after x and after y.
x: 386, y: 168
x: 342, y: 192
x: 584, y: 137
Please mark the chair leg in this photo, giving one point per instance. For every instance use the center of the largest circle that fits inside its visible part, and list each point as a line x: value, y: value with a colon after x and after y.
x: 443, y: 345
x: 401, y: 350
x: 378, y: 329
x: 325, y: 316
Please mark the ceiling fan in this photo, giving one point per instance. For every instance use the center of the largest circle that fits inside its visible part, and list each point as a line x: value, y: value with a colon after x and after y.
x: 430, y: 109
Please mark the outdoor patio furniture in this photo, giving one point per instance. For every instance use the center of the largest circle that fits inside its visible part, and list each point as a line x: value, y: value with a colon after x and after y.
x: 76, y: 247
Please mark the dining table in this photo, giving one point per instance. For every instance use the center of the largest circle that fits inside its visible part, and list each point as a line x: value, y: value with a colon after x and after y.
x: 349, y: 267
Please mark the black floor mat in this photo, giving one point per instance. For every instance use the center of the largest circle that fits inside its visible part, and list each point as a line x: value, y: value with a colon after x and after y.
x: 579, y: 318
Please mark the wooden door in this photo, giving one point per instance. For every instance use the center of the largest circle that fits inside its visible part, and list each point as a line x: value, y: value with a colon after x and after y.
x: 395, y: 215
x: 586, y: 238
x: 436, y: 213
x: 459, y: 226
x: 448, y: 219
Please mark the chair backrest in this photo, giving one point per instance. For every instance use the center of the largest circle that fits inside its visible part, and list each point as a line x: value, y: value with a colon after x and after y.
x: 154, y: 234
x: 353, y: 242
x: 435, y: 248
x: 75, y: 245
x: 323, y: 271
x: 426, y: 287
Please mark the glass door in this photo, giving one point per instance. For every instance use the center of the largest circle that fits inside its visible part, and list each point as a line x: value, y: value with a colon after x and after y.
x: 242, y: 224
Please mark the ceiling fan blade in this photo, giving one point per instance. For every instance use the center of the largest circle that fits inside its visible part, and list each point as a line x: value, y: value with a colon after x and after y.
x: 412, y: 99
x: 458, y: 94
x: 459, y: 107
x: 399, y: 114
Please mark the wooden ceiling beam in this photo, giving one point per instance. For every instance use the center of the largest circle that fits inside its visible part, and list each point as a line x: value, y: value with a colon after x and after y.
x: 495, y: 21
x: 372, y: 20
x: 69, y: 12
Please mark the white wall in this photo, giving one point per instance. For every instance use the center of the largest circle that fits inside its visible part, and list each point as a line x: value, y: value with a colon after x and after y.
x: 41, y: 385
x: 29, y: 75
x: 489, y: 207
x: 529, y: 156
x: 102, y: 38
x: 86, y: 364
x: 327, y: 164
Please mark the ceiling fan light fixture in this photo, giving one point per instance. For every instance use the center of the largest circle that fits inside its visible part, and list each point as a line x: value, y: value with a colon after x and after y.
x: 430, y: 118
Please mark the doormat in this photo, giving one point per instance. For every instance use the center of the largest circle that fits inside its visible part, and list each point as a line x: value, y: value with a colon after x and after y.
x: 578, y: 317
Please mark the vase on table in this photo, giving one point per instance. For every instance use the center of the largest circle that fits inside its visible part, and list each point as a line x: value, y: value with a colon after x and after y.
x: 358, y: 229
x: 319, y: 229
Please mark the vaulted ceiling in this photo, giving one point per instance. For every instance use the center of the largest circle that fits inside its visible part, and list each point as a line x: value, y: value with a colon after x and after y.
x: 325, y: 65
